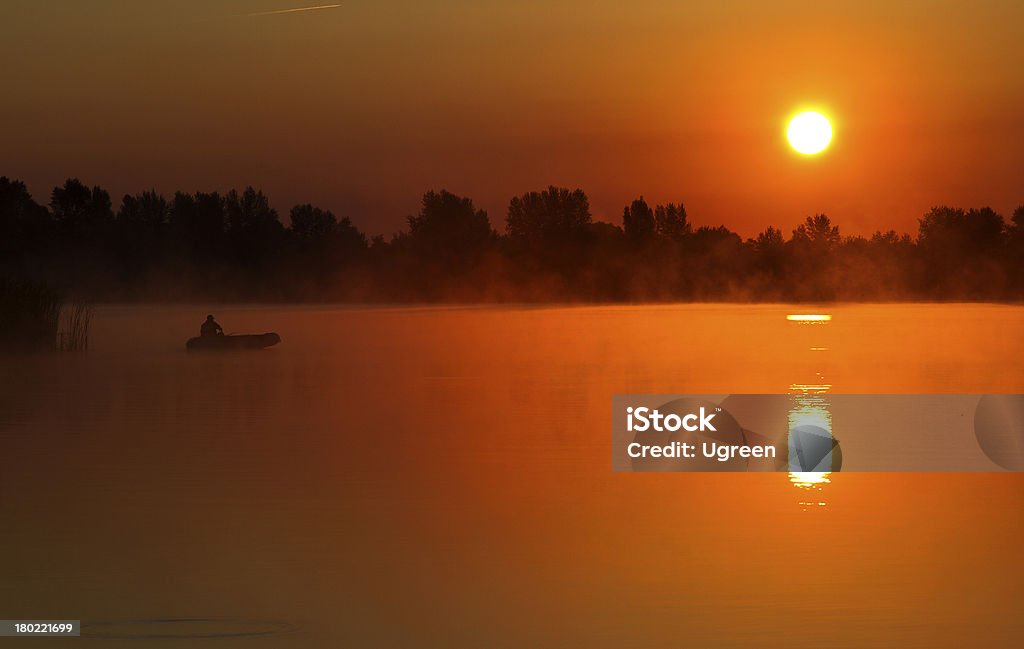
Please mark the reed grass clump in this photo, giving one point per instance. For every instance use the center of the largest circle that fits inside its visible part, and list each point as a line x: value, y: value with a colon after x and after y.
x: 73, y: 335
x: 34, y: 317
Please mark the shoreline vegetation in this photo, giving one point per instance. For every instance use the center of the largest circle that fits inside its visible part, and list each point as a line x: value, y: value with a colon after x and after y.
x: 35, y: 317
x: 235, y: 247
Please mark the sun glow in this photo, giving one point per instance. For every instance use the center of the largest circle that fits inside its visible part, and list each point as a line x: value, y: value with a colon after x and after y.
x: 809, y: 132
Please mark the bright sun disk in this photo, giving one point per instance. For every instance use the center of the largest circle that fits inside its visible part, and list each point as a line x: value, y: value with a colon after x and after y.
x: 809, y: 132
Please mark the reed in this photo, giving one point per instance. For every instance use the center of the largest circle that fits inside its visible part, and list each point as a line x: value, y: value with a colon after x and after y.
x: 73, y: 335
x: 34, y: 316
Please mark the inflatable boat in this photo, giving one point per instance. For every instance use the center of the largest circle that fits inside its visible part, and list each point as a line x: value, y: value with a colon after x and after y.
x: 244, y: 341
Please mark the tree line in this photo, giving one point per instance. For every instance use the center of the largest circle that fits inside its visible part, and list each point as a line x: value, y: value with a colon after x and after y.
x: 235, y: 246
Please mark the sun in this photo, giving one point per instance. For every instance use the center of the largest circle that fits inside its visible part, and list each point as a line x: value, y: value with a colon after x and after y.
x: 809, y: 132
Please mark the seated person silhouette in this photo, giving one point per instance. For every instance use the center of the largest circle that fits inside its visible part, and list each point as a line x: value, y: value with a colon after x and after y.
x: 210, y: 328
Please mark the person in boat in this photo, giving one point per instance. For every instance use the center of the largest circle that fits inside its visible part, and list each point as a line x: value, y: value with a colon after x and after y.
x: 210, y: 328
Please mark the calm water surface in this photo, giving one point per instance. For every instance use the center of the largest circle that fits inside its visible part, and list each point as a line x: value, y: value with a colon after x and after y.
x: 441, y: 478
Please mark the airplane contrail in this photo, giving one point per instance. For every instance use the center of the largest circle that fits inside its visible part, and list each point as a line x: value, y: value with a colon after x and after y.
x: 290, y: 11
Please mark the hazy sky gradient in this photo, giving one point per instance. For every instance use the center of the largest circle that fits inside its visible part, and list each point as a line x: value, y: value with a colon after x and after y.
x: 362, y: 108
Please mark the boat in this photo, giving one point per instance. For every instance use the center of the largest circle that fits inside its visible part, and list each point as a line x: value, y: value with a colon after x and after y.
x: 238, y: 341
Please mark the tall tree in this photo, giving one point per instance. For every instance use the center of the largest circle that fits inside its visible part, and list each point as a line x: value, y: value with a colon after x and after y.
x: 140, y: 232
x: 253, y: 231
x: 817, y: 231
x: 449, y: 226
x: 197, y: 225
x: 554, y: 216
x: 671, y: 222
x: 638, y: 222
x: 24, y: 224
x: 311, y: 225
x: 947, y: 229
x: 1018, y: 218
x: 81, y: 212
x: 147, y: 210
x: 324, y: 244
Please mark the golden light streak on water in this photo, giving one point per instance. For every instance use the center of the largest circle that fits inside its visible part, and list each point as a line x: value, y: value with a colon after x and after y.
x: 810, y: 388
x: 809, y: 317
x: 810, y: 407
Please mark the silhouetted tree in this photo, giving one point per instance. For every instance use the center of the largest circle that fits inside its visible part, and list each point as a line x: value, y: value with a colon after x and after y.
x: 146, y: 211
x: 312, y: 225
x: 197, y: 226
x: 348, y: 239
x: 715, y: 262
x: 769, y: 249
x: 708, y: 237
x: 550, y: 217
x: 812, y: 259
x: 768, y: 240
x: 235, y: 247
x: 891, y: 238
x: 140, y: 232
x: 324, y: 244
x: 319, y: 230
x: 449, y: 229
x: 253, y: 232
x: 1018, y: 218
x: 80, y: 212
x: 670, y: 221
x: 1016, y: 246
x: 638, y: 222
x: 24, y: 224
x: 817, y: 231
x: 955, y: 230
x: 959, y: 250
x: 892, y: 262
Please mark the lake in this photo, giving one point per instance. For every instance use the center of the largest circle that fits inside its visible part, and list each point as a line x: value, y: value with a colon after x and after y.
x: 440, y: 477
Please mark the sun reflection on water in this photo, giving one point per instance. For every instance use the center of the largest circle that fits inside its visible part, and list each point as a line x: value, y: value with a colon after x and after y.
x: 810, y: 407
x: 812, y: 485
x: 809, y: 317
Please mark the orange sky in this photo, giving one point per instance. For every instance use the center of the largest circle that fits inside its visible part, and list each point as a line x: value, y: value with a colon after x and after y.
x: 362, y: 108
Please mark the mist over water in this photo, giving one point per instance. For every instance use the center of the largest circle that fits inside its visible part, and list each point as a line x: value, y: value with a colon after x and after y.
x: 439, y: 477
